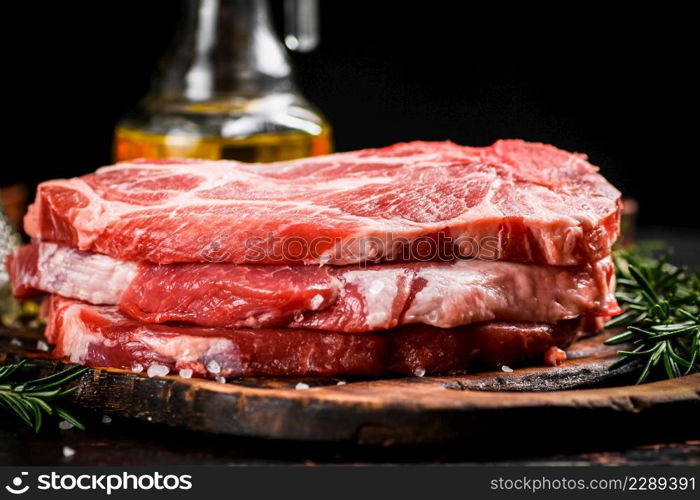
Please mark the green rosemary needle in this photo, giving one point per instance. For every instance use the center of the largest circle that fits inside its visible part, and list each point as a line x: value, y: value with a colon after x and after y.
x: 31, y: 399
x: 662, y: 314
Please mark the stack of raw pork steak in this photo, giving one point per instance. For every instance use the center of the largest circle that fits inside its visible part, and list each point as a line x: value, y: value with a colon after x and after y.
x: 412, y: 259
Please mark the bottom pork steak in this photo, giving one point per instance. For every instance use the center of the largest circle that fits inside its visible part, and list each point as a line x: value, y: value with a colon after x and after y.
x: 101, y: 336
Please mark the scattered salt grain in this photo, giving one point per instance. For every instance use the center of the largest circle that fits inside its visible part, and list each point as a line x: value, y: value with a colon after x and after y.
x: 316, y: 301
x: 42, y: 346
x: 301, y: 386
x: 185, y: 373
x: 506, y: 369
x: 213, y: 367
x: 419, y: 372
x: 221, y: 380
x: 68, y: 451
x: 298, y: 317
x: 106, y: 419
x: 137, y: 368
x: 64, y: 426
x: 158, y: 371
x: 341, y: 382
x: 150, y: 419
x: 16, y: 342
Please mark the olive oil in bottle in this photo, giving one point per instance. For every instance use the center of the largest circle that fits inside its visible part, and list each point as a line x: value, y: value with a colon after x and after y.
x: 225, y: 90
x: 131, y: 143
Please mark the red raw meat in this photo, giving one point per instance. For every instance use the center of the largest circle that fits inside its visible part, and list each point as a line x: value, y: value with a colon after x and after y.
x: 347, y: 299
x: 512, y: 201
x: 101, y: 336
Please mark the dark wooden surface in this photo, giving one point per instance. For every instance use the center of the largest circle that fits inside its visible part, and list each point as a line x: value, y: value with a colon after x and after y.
x: 429, y: 419
x: 124, y: 442
x: 388, y: 411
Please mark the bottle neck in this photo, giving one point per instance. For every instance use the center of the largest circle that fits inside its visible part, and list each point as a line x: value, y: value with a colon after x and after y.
x: 225, y: 47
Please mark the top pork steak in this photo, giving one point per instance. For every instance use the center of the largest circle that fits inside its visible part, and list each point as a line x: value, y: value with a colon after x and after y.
x: 511, y: 201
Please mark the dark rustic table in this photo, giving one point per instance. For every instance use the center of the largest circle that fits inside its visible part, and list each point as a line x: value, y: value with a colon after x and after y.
x: 122, y: 442
x: 128, y: 443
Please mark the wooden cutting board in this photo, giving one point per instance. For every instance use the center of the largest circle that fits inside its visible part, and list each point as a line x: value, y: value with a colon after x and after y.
x: 582, y: 391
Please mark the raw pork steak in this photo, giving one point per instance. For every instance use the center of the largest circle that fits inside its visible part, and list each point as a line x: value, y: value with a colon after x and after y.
x: 347, y: 299
x: 102, y: 336
x: 512, y: 201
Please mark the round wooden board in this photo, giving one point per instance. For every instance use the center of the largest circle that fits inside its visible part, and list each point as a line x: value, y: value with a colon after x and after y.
x: 391, y: 410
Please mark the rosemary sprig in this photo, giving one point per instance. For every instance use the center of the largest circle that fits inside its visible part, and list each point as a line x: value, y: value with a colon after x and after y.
x: 662, y: 314
x: 31, y: 399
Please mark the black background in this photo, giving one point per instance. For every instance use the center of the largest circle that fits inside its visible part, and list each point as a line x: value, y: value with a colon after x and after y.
x: 613, y: 83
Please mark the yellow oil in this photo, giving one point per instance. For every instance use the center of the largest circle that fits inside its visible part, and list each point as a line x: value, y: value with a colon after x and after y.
x: 130, y: 144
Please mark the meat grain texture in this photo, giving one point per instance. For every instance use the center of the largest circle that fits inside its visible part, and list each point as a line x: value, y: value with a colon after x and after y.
x: 513, y: 201
x: 419, y: 258
x: 343, y: 299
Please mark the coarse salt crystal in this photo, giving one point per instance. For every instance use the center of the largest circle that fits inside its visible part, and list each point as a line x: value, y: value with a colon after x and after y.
x: 106, y: 419
x: 341, y: 382
x: 419, y: 372
x: 64, y: 426
x: 42, y: 346
x: 16, y: 342
x: 301, y: 386
x: 185, y: 373
x: 213, y: 367
x: 221, y: 380
x: 506, y: 369
x: 316, y: 301
x: 68, y: 451
x: 158, y: 371
x: 137, y: 368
